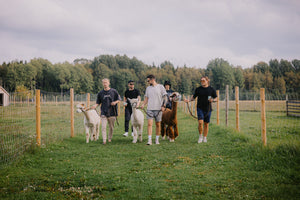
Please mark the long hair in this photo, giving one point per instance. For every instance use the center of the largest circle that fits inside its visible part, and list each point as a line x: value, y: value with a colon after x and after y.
x: 206, y: 78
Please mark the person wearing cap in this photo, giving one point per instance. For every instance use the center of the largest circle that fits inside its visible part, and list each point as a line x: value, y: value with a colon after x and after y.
x: 130, y: 93
x: 167, y: 85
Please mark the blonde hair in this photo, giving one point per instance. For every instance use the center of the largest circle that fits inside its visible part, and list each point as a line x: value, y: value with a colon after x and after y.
x: 106, y: 79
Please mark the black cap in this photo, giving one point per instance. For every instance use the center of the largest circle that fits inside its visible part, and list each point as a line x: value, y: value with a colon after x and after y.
x: 167, y: 83
x: 131, y: 81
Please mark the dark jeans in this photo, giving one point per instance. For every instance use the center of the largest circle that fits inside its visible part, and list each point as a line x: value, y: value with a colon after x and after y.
x: 128, y: 112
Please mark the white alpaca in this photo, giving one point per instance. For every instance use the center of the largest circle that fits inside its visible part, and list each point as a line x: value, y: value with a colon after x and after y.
x: 137, y: 121
x: 91, y: 122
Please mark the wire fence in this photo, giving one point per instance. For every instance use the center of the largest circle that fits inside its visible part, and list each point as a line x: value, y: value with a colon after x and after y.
x: 278, y: 124
x: 18, y: 120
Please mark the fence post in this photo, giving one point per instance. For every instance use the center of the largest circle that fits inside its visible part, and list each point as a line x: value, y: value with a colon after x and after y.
x: 287, y: 104
x: 72, y: 111
x: 263, y: 117
x: 38, y: 117
x: 88, y: 100
x: 226, y: 104
x: 237, y: 112
x: 218, y: 107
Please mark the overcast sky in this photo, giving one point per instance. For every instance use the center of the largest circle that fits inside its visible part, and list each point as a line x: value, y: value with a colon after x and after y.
x: 190, y: 32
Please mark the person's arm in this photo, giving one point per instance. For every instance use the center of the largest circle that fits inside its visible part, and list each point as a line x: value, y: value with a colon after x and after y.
x: 139, y: 101
x: 165, y: 101
x: 125, y: 101
x: 192, y: 99
x: 145, y: 102
x: 95, y: 106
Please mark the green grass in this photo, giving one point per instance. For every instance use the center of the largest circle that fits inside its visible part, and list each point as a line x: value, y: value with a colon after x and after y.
x: 230, y: 166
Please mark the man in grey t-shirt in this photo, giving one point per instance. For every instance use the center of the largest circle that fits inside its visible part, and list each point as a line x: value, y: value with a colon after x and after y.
x: 156, y: 98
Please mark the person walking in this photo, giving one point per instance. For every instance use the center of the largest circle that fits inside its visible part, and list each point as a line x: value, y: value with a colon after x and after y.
x: 108, y: 98
x: 169, y: 91
x: 130, y: 93
x: 156, y: 100
x: 206, y: 95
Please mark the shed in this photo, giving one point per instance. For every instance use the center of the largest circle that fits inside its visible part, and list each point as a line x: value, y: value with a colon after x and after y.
x: 4, y: 97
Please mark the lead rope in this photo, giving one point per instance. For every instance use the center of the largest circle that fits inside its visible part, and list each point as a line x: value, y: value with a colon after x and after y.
x: 190, y: 111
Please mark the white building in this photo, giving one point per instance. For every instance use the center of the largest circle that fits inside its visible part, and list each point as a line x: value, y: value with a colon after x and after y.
x: 4, y: 97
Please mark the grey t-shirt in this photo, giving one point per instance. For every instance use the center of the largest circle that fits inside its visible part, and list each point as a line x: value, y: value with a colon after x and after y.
x: 155, y: 96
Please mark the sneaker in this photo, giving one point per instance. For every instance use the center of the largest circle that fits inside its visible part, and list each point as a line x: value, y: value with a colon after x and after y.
x: 156, y: 141
x: 149, y: 142
x: 204, y: 139
x: 132, y: 134
x: 125, y: 134
x: 200, y: 139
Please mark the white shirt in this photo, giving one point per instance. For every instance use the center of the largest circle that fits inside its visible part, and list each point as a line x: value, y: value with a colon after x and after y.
x: 155, y: 96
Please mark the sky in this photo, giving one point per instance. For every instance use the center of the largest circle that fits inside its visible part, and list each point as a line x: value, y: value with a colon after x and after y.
x: 184, y: 32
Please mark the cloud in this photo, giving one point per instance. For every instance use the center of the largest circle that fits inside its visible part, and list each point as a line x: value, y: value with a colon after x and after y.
x: 183, y: 32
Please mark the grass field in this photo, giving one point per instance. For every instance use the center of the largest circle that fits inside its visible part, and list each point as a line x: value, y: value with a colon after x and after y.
x: 230, y: 166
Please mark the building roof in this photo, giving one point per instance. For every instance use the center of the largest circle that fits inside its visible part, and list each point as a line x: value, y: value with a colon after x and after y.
x: 4, y: 91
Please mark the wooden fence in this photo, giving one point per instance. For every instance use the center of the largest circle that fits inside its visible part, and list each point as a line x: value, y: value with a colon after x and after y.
x: 293, y: 108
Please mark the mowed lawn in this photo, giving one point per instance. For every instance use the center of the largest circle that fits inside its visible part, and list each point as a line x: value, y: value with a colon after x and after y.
x: 230, y: 166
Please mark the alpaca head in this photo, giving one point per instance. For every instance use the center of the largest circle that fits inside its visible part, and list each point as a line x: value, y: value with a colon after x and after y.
x: 80, y: 107
x: 175, y: 96
x: 133, y: 102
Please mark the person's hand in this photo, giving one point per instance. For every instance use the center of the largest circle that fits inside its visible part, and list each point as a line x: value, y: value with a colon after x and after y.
x: 142, y: 106
x: 113, y: 103
x: 163, y: 108
x: 186, y: 100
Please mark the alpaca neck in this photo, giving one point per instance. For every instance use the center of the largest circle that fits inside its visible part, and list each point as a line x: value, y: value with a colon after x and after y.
x: 86, y: 114
x: 174, y: 108
x: 134, y: 113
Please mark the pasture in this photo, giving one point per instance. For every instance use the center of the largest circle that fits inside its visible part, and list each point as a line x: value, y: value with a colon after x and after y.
x: 232, y: 165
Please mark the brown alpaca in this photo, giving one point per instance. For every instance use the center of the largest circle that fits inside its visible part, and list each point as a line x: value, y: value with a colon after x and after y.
x: 169, y: 119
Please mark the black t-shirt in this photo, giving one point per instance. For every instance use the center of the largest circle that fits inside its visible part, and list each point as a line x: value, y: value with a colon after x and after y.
x: 131, y: 94
x: 105, y: 98
x: 203, y: 93
x: 169, y: 104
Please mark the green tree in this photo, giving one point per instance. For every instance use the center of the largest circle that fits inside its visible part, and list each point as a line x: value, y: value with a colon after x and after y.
x: 222, y: 73
x: 238, y: 77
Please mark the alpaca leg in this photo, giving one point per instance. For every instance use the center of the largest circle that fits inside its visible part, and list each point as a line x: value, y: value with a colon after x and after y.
x: 87, y: 134
x: 163, y: 131
x: 94, y: 133
x: 134, y: 134
x: 176, y: 133
x: 140, y: 133
x: 171, y: 133
x: 97, y: 131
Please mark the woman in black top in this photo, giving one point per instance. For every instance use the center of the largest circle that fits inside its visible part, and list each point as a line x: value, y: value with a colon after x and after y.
x: 205, y: 96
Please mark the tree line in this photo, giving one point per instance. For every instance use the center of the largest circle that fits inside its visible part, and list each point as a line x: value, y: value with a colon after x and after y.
x: 85, y: 75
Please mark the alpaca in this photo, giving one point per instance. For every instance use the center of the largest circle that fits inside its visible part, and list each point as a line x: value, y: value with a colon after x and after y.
x: 169, y: 119
x: 137, y: 120
x: 91, y: 122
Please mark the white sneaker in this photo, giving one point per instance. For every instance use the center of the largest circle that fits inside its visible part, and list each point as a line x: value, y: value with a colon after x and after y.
x: 125, y: 134
x: 149, y: 142
x: 200, y: 139
x: 132, y: 134
x: 156, y: 141
x: 204, y: 139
